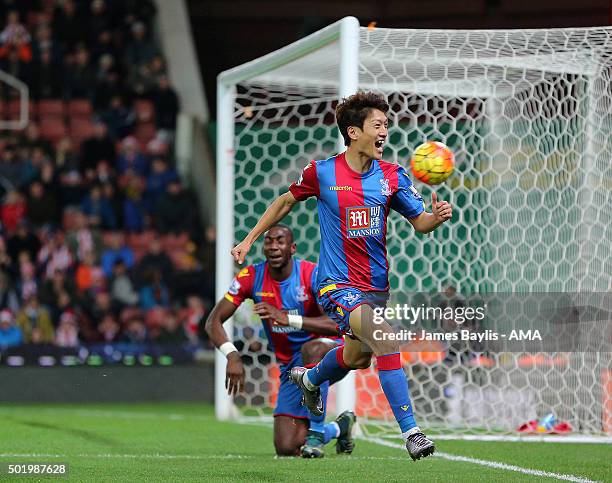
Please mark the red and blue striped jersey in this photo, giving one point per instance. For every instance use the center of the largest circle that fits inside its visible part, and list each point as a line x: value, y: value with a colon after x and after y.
x: 295, y: 295
x: 353, y: 209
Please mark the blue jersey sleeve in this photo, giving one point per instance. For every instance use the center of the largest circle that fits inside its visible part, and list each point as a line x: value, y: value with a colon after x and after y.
x: 407, y: 201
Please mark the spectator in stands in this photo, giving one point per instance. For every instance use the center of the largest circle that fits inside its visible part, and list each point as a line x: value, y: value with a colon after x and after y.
x: 144, y: 79
x: 97, y: 306
x: 118, y: 118
x: 158, y: 180
x: 54, y: 255
x: 100, y: 20
x: 138, y: 9
x: 97, y: 148
x: 68, y: 25
x: 32, y: 139
x: 10, y: 333
x: 122, y: 288
x: 156, y: 259
x: 49, y: 177
x: 171, y: 331
x: 109, y: 329
x: 98, y: 210
x: 23, y: 240
x: 106, y: 90
x: 104, y: 45
x: 117, y: 250
x: 8, y: 297
x: 134, y: 208
x: 135, y: 331
x: 42, y: 206
x: 115, y: 200
x: 67, y: 332
x: 82, y: 239
x: 166, y: 105
x: 157, y: 69
x: 6, y: 264
x: 16, y: 39
x: 45, y: 43
x: 86, y: 273
x: 72, y: 189
x: 79, y: 76
x: 141, y: 49
x: 54, y: 289
x: 174, y: 211
x: 46, y: 78
x: 27, y: 284
x: 11, y: 167
x: 13, y: 211
x: 104, y: 173
x: 154, y: 293
x: 35, y: 322
x: 13, y: 65
x: 32, y: 166
x: 131, y: 159
x: 195, y: 315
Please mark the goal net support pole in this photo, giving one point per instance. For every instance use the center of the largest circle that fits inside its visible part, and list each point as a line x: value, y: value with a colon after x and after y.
x: 346, y: 31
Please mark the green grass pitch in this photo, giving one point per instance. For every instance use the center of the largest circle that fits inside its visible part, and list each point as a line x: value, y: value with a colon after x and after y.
x: 178, y: 441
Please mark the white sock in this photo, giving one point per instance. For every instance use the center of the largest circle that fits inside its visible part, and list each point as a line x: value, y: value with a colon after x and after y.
x: 309, y: 385
x: 410, y: 432
x: 336, y: 427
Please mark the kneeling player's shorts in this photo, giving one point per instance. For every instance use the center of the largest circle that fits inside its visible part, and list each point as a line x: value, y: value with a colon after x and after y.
x: 289, y: 400
x: 339, y: 303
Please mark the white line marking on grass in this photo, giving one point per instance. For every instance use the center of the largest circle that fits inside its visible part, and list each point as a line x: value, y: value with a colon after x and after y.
x: 490, y: 464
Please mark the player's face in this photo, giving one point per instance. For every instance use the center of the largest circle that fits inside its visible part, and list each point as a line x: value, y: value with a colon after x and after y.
x: 278, y: 247
x: 371, y: 142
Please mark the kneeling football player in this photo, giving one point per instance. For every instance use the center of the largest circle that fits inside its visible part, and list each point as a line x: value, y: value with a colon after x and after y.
x: 282, y: 289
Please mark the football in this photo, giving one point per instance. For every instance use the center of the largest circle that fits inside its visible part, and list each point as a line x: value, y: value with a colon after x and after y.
x: 432, y: 162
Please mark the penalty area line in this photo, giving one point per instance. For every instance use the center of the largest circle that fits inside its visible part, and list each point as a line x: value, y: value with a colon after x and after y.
x: 487, y: 463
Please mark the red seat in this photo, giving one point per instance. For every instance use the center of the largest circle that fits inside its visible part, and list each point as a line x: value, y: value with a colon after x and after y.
x: 14, y: 109
x: 51, y: 108
x: 79, y: 108
x: 52, y: 129
x: 80, y: 129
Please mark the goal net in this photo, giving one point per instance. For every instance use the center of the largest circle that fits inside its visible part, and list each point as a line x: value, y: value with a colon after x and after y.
x: 528, y: 114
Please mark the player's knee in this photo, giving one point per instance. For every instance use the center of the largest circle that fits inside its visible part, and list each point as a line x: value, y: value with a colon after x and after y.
x: 287, y: 448
x: 314, y: 350
x: 361, y: 361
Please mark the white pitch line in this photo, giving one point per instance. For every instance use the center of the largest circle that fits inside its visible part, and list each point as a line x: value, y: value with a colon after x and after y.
x: 490, y: 464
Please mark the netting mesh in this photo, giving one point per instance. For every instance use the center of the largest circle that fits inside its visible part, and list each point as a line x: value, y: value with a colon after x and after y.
x: 529, y: 117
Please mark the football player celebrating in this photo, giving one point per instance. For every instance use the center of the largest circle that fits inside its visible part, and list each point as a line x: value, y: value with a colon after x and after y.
x: 282, y: 288
x: 355, y: 191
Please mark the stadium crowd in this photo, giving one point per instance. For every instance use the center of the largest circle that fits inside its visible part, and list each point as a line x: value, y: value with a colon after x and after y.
x: 99, y: 239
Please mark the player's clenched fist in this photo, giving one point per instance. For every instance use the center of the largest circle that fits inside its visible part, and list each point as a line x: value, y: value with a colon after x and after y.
x: 239, y: 252
x: 442, y: 210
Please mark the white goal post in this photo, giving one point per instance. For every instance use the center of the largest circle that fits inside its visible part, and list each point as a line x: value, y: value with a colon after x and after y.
x: 528, y: 114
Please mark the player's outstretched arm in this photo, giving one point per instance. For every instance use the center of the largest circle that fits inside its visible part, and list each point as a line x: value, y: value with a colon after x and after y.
x: 234, y: 374
x: 319, y: 325
x: 441, y: 211
x: 279, y: 208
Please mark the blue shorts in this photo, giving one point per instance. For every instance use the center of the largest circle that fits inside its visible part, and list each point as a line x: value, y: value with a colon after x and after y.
x: 339, y: 303
x: 289, y: 400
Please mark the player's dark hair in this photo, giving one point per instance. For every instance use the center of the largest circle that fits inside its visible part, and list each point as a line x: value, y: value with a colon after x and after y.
x: 353, y: 110
x: 286, y: 227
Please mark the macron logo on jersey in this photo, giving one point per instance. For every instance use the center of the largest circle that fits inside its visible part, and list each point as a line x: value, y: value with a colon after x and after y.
x: 363, y: 221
